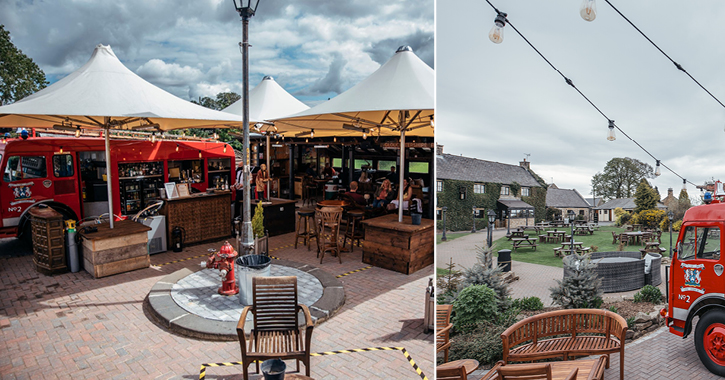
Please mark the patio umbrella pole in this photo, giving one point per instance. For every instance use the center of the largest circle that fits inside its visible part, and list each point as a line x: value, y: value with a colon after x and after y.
x: 402, y: 167
x: 269, y: 169
x: 106, y: 129
x: 247, y: 238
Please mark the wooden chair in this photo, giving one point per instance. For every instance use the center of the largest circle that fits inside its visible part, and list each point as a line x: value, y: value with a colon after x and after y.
x: 590, y: 369
x: 457, y: 373
x: 615, y: 237
x: 328, y: 231
x: 276, y: 332
x: 443, y: 329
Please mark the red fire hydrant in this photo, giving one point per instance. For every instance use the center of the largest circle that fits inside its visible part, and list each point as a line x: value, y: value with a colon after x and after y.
x: 224, y: 261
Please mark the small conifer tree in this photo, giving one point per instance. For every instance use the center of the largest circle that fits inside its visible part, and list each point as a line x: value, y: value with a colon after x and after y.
x: 581, y: 288
x: 481, y: 274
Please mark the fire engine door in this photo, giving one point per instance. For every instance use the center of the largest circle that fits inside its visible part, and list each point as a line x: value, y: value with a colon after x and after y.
x: 25, y: 182
x: 65, y: 180
x: 698, y: 266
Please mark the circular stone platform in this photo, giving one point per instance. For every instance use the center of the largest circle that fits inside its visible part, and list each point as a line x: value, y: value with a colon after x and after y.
x: 187, y: 302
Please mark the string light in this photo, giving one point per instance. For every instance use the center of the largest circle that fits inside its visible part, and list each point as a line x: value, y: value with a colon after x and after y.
x: 61, y: 149
x: 496, y: 33
x: 365, y: 136
x: 78, y: 132
x: 153, y: 137
x: 684, y: 184
x: 5, y: 138
x: 588, y: 10
x: 225, y: 148
x: 177, y: 147
x: 199, y: 153
x: 312, y: 133
x: 568, y: 81
x: 657, y: 169
x: 432, y: 122
x: 307, y: 140
x: 334, y: 139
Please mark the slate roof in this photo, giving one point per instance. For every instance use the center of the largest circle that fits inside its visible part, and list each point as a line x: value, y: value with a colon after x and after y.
x: 593, y: 201
x: 565, y: 198
x: 461, y: 168
x: 512, y: 204
x: 624, y: 203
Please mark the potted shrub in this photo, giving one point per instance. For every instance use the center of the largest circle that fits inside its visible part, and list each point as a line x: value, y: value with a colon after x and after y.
x: 261, y: 236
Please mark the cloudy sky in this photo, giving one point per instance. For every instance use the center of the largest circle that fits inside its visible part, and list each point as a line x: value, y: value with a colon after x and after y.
x: 500, y: 102
x: 315, y: 49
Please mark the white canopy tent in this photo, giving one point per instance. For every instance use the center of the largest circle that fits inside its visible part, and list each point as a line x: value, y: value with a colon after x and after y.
x: 105, y: 94
x: 397, y: 99
x: 268, y: 101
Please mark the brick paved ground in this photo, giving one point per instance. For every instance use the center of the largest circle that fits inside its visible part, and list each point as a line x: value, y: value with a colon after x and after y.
x: 72, y: 325
x: 658, y: 355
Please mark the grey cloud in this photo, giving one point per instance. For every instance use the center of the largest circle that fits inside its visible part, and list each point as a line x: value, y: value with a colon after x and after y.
x: 420, y: 41
x: 333, y: 81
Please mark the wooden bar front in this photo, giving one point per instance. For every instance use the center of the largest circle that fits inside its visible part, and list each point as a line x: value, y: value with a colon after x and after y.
x: 203, y: 216
x: 279, y: 215
x: 402, y: 247
x: 121, y: 249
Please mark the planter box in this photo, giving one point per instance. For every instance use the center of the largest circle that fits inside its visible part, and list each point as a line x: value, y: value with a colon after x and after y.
x: 111, y: 251
x: 401, y: 247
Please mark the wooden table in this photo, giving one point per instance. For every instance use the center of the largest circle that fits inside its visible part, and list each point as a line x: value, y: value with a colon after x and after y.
x: 524, y: 243
x: 583, y: 230
x: 535, y: 228
x: 279, y: 215
x: 334, y: 203
x: 111, y: 251
x: 516, y: 234
x: 469, y: 364
x: 401, y: 247
x: 296, y: 376
x: 636, y: 236
x: 555, y: 235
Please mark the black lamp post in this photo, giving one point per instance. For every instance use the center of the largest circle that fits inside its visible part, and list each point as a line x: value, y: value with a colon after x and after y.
x: 508, y: 222
x: 670, y: 216
x: 246, y: 9
x: 491, y: 220
x: 571, y: 222
x: 473, y: 229
x: 443, y: 213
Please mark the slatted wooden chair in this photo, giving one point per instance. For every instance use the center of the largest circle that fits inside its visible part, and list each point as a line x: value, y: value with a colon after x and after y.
x: 615, y: 237
x: 590, y: 369
x: 276, y: 332
x: 328, y: 231
x: 457, y: 373
x: 443, y: 329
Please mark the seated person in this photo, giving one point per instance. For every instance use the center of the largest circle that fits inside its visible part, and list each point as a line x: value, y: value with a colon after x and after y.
x: 363, y: 177
x: 359, y: 198
x: 310, y: 171
x: 407, y: 196
x: 384, y: 194
x: 328, y: 171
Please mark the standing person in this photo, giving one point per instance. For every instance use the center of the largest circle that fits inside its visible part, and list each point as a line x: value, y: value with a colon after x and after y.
x: 239, y: 189
x: 392, y: 176
x: 261, y: 182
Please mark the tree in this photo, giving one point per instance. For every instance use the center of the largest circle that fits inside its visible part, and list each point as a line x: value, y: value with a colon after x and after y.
x: 222, y: 101
x: 19, y: 75
x: 645, y: 197
x: 620, y: 178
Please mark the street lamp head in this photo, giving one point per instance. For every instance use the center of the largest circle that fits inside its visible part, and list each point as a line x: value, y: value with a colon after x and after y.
x: 246, y: 8
x: 491, y: 216
x: 670, y: 215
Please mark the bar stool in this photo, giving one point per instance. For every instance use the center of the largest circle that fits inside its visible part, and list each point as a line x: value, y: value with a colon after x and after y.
x: 328, y: 231
x: 305, y: 226
x: 354, y: 229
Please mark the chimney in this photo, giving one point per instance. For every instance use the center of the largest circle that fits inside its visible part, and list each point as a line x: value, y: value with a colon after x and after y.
x: 439, y: 150
x: 669, y: 192
x: 525, y: 164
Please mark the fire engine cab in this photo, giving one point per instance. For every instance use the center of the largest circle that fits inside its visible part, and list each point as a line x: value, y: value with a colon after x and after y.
x: 69, y: 174
x: 697, y: 282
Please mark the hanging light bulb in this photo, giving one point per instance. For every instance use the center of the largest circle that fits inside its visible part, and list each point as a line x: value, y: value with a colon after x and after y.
x: 334, y: 139
x: 177, y: 147
x: 61, y: 149
x: 610, y: 134
x: 588, y: 10
x: 684, y: 184
x: 275, y: 128
x: 153, y: 137
x: 225, y: 148
x: 365, y: 136
x: 216, y: 136
x: 496, y: 33
x: 78, y: 132
x: 199, y: 153
x: 657, y: 169
x: 312, y: 134
x: 307, y: 140
x: 5, y: 138
x: 432, y: 122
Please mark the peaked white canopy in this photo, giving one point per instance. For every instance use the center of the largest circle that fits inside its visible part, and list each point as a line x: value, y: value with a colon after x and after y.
x: 403, y: 85
x: 268, y: 101
x: 105, y: 88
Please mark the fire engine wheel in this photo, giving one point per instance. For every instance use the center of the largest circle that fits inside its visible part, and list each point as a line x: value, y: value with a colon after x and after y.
x: 710, y: 341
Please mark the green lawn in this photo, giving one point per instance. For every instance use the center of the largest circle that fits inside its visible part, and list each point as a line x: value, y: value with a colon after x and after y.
x: 450, y: 236
x: 544, y: 253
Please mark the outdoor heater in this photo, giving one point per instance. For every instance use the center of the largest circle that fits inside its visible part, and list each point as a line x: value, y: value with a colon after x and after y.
x: 491, y: 220
x: 246, y: 9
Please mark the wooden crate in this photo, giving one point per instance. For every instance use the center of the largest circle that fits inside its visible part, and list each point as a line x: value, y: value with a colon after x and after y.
x: 205, y: 217
x: 121, y: 249
x: 402, y: 247
x: 48, y: 241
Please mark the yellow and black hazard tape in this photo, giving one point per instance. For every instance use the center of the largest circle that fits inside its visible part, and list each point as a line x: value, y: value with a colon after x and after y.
x: 202, y: 372
x: 207, y: 255
x: 354, y: 271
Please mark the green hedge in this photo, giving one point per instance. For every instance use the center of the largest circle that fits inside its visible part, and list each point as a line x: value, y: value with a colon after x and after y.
x: 459, y: 215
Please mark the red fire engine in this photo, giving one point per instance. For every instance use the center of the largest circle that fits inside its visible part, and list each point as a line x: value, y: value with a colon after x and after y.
x: 69, y: 174
x: 696, y: 283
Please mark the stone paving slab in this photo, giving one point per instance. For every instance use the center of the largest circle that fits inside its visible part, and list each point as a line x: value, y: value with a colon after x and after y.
x: 73, y: 326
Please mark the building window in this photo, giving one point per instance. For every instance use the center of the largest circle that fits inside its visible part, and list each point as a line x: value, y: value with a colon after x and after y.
x: 525, y: 191
x: 439, y: 186
x: 479, y: 188
x: 505, y: 190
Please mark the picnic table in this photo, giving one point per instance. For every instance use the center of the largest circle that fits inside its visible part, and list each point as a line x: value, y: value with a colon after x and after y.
x: 555, y: 236
x: 516, y: 234
x: 583, y: 230
x: 534, y: 228
x: 652, y: 246
x: 524, y: 243
x: 566, y: 248
x: 634, y: 237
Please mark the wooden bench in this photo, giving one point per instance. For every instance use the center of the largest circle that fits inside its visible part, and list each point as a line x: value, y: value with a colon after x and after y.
x: 590, y: 369
x: 586, y: 332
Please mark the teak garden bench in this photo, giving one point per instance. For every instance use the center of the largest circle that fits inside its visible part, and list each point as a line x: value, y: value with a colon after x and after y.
x: 566, y: 334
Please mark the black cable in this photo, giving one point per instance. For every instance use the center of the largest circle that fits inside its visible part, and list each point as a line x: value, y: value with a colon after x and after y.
x: 677, y: 65
x: 571, y: 83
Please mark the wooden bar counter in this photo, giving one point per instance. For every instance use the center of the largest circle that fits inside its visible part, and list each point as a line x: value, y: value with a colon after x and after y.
x: 204, y: 216
x: 111, y: 251
x: 402, y: 247
x: 279, y: 215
